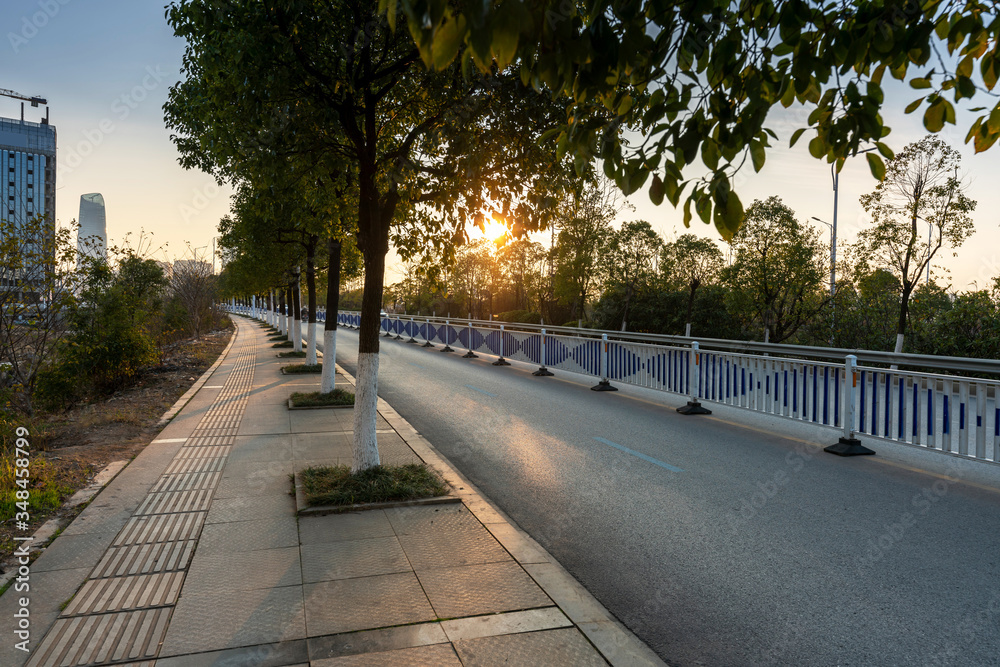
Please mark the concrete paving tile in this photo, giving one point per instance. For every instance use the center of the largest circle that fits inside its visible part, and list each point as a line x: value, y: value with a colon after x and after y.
x: 531, y: 620
x: 68, y: 552
x: 281, y: 654
x: 337, y: 527
x: 100, y: 519
x: 554, y: 648
x: 352, y: 558
x: 47, y: 591
x: 245, y: 507
x: 230, y: 619
x: 419, y: 520
x: 437, y: 655
x: 321, y: 445
x: 10, y: 655
x: 257, y: 481
x: 366, y: 603
x: 375, y: 641
x: 254, y: 535
x: 254, y: 423
x: 483, y: 511
x: 261, y: 448
x: 481, y: 589
x: 450, y: 548
x: 322, y: 421
x: 243, y: 570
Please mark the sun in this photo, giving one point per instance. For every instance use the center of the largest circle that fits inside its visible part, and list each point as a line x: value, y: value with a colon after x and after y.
x: 494, y: 230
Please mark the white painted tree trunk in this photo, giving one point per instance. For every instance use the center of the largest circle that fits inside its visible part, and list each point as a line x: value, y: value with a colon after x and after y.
x: 366, y: 412
x: 899, y: 343
x: 328, y: 378
x: 311, y: 347
x: 297, y: 332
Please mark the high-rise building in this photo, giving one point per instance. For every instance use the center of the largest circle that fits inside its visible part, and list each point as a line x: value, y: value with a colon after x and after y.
x: 28, y: 192
x: 92, y: 237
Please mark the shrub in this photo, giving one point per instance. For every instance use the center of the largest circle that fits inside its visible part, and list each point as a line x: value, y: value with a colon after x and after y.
x: 521, y: 317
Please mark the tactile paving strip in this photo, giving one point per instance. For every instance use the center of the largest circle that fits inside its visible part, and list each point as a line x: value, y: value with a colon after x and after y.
x: 121, y: 613
x: 160, y: 528
x: 187, y: 482
x: 144, y: 559
x: 103, y: 638
x: 126, y: 593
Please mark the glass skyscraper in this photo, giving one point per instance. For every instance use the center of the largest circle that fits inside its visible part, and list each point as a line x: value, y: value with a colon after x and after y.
x: 92, y: 238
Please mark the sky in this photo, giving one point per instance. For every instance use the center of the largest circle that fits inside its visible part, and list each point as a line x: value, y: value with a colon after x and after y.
x: 106, y: 66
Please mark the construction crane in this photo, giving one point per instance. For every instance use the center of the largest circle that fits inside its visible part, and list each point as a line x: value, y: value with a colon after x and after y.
x: 35, y: 101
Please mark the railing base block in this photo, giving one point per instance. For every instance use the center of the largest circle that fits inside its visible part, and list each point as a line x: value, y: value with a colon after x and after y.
x: 603, y: 385
x: 470, y: 355
x: 411, y: 341
x: 501, y: 362
x: 387, y: 335
x: 694, y: 408
x: 428, y: 344
x: 543, y: 372
x: 848, y: 447
x: 447, y: 348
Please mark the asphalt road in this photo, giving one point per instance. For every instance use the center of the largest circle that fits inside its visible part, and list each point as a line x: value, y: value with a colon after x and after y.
x: 723, y: 540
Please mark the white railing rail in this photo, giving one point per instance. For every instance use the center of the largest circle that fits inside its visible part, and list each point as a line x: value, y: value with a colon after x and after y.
x: 940, y: 411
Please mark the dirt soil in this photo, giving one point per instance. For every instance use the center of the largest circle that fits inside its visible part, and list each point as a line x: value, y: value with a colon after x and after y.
x: 81, y: 441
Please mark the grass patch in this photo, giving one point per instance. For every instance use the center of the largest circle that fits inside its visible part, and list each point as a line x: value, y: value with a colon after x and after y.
x: 46, y: 489
x: 293, y: 355
x: 285, y: 343
x: 315, y: 399
x: 277, y: 336
x: 335, y: 485
x: 303, y: 368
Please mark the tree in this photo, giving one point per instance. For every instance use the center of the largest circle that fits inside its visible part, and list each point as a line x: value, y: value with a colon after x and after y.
x: 37, y: 287
x: 334, y: 81
x: 584, y: 229
x: 921, y: 184
x: 777, y: 271
x: 630, y: 259
x: 194, y: 284
x: 698, y: 79
x: 688, y: 263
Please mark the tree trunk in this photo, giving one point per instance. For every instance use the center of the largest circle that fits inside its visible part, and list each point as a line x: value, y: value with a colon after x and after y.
x: 281, y: 315
x: 311, y: 290
x: 297, y: 311
x: 694, y: 287
x: 365, y: 453
x: 332, y: 307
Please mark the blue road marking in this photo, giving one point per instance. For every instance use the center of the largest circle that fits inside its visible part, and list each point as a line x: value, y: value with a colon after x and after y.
x: 640, y: 455
x: 481, y: 391
x: 417, y: 365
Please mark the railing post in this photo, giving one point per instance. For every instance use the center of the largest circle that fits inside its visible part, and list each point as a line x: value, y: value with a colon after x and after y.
x: 848, y: 444
x: 694, y: 407
x: 501, y: 361
x: 412, y: 339
x: 398, y: 337
x: 543, y: 371
x: 604, y: 384
x: 470, y: 354
x: 427, y: 334
x: 447, y: 330
x: 388, y: 326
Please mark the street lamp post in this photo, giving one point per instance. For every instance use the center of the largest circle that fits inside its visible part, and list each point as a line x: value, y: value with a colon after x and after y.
x: 833, y: 255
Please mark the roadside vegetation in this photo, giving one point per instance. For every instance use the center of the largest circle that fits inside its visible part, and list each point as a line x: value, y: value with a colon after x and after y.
x: 336, y: 485
x: 93, y: 351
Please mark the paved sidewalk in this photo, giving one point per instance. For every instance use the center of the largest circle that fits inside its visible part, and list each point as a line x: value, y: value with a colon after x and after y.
x: 194, y: 555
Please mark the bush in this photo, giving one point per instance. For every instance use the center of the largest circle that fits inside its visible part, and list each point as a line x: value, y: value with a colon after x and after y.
x: 520, y: 317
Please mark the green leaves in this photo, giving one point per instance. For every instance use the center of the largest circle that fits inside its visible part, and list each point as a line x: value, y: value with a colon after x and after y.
x: 876, y: 166
x: 447, y: 40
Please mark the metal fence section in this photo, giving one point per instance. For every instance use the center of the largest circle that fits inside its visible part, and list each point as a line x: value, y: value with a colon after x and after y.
x: 941, y: 412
